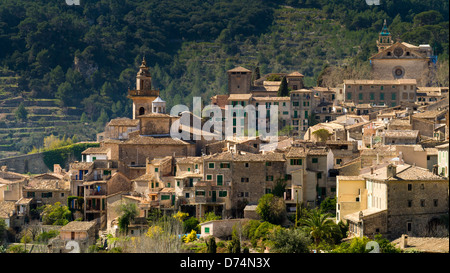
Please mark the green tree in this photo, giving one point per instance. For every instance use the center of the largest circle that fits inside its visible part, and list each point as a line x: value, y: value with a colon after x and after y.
x: 128, y: 212
x: 271, y: 208
x: 385, y: 245
x: 56, y: 214
x: 65, y: 94
x: 210, y: 216
x: 328, y: 206
x: 283, y: 90
x: 211, y: 246
x: 103, y: 118
x: 320, y: 226
x: 21, y: 113
x: 279, y: 188
x: 235, y: 244
x: 293, y: 240
x: 430, y: 17
x: 356, y: 245
x: 191, y: 224
x: 322, y: 134
x: 3, y: 229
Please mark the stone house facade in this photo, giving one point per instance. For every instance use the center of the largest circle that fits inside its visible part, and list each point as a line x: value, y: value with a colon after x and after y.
x: 400, y: 199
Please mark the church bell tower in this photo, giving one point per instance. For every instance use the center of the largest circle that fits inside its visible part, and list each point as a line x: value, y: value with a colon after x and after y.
x: 384, y: 38
x: 143, y: 95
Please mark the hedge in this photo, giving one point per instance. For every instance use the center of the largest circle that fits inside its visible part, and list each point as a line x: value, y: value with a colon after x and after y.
x: 60, y: 155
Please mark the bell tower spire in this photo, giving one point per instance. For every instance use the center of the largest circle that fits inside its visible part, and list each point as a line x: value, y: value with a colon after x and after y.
x: 143, y: 95
x: 384, y: 38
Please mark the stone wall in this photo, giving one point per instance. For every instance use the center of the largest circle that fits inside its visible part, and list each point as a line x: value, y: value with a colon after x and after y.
x: 414, y: 69
x: 418, y: 215
x: 33, y: 163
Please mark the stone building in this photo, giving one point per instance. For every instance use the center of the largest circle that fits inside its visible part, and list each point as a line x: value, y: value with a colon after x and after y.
x: 400, y: 199
x: 75, y: 237
x: 406, y: 137
x: 401, y: 60
x: 391, y: 92
x: 47, y: 191
x: 442, y: 160
x: 96, y: 193
x: 143, y: 95
x: 13, y: 184
x: 302, y: 104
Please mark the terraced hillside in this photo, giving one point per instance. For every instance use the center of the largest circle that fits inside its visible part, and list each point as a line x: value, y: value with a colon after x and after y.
x: 45, y: 117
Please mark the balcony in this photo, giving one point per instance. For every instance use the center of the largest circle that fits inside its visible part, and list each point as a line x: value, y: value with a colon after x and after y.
x: 94, y: 192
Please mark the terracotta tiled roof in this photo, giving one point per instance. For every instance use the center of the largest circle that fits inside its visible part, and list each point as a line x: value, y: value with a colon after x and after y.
x: 243, y: 157
x: 239, y: 69
x: 386, y: 82
x: 78, y: 226
x: 124, y: 122
x: 140, y: 139
x: 233, y: 97
x: 155, y: 115
x: 295, y: 74
x: 296, y: 152
x: 188, y: 160
x: 96, y: 150
x: 47, y: 184
x: 405, y: 172
x: 429, y: 114
x: 402, y: 133
x: 318, y: 151
x: 81, y: 165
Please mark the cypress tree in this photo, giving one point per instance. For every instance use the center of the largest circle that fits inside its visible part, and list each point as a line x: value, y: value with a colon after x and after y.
x: 283, y: 91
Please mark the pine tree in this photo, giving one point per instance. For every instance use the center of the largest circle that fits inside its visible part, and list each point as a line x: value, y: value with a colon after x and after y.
x: 21, y: 113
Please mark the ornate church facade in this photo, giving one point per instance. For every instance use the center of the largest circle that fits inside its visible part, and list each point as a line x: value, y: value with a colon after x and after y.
x: 400, y: 60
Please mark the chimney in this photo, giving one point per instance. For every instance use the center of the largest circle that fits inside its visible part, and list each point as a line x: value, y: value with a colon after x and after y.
x: 391, y: 170
x: 371, y: 170
x: 404, y: 241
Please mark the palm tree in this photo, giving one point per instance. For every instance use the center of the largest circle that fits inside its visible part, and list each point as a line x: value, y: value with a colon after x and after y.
x: 320, y: 226
x: 129, y: 212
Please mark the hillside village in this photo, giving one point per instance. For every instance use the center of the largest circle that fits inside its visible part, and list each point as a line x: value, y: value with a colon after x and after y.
x: 378, y: 147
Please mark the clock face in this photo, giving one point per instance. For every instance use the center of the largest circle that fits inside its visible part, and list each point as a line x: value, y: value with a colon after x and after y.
x: 398, y: 51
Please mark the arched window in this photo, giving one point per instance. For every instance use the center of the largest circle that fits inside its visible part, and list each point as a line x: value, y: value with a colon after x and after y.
x: 141, y: 111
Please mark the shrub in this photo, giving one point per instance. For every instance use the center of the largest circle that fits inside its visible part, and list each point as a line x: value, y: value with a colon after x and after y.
x: 191, y: 237
x: 289, y: 241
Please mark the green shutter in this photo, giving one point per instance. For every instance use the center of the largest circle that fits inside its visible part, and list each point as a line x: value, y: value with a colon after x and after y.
x: 219, y: 180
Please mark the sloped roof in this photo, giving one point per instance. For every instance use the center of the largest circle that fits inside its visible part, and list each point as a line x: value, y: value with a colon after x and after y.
x: 124, y: 122
x: 296, y: 152
x: 295, y: 74
x: 96, y: 150
x: 239, y: 69
x: 401, y: 133
x: 47, y: 184
x: 405, y: 172
x: 78, y: 226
